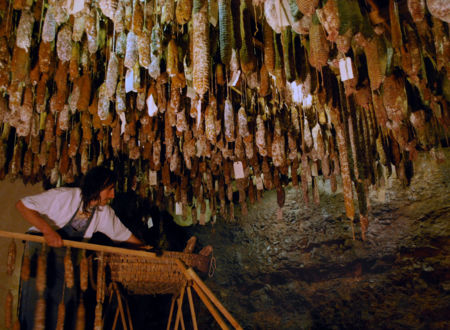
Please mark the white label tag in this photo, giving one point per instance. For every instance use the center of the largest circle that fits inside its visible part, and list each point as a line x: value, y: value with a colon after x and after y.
x: 259, y: 183
x: 345, y: 68
x: 123, y: 122
x: 151, y: 106
x: 307, y: 101
x: 348, y: 66
x: 149, y: 222
x: 190, y: 92
x: 74, y: 6
x: 178, y: 208
x: 238, y: 170
x: 235, y: 78
x: 129, y: 82
x: 297, y: 92
x: 199, y: 113
x: 153, y: 178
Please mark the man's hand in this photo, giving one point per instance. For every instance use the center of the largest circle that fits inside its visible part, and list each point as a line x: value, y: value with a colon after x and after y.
x: 52, y: 238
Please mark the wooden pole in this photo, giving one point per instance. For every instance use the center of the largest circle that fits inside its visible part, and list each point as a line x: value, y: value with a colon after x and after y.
x: 180, y: 310
x: 191, y: 305
x: 210, y: 307
x: 190, y: 274
x: 129, y: 315
x: 172, y: 304
x: 84, y: 245
x: 116, y: 317
x: 119, y: 302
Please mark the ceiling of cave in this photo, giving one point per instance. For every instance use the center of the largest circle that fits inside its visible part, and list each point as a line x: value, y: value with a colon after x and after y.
x: 206, y: 104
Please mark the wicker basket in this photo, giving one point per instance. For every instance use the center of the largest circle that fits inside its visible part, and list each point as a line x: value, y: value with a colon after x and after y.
x: 140, y: 275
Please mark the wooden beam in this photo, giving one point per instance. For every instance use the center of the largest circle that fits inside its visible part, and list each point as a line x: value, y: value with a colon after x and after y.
x: 84, y: 245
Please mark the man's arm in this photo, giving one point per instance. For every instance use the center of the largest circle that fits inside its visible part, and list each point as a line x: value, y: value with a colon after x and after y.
x: 134, y: 240
x: 34, y: 218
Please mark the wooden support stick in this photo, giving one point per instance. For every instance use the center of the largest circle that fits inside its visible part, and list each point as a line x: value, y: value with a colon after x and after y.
x: 180, y: 310
x: 172, y: 304
x: 213, y: 298
x: 129, y: 315
x: 116, y: 317
x: 190, y: 274
x: 191, y: 305
x: 119, y: 302
x: 210, y: 307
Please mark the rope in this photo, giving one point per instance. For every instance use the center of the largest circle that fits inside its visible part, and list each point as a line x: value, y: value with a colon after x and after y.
x: 212, y: 265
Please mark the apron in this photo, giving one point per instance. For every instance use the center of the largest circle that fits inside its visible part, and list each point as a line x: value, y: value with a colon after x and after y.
x: 55, y: 287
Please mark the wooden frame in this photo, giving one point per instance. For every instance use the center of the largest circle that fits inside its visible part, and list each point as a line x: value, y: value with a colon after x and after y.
x: 211, y: 302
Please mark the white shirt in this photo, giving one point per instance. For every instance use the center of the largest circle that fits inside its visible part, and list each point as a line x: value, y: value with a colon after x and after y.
x: 60, y: 204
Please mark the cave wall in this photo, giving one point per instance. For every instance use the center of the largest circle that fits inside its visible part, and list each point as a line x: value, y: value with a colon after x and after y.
x: 306, y: 271
x: 10, y: 220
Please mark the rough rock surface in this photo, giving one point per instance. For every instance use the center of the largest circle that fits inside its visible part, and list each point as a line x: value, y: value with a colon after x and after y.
x: 306, y: 272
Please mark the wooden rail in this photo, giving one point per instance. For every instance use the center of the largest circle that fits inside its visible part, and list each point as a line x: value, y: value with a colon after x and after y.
x: 207, y: 297
x: 82, y: 245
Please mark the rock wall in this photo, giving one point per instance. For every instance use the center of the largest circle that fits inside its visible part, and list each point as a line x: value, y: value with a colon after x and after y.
x: 10, y: 220
x: 306, y: 271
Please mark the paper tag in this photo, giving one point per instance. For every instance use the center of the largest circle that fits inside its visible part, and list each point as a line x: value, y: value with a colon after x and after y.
x: 297, y: 92
x: 74, y: 6
x: 191, y: 92
x: 178, y: 208
x: 307, y: 101
x: 238, y: 170
x: 259, y: 183
x: 199, y: 113
x: 348, y: 66
x: 123, y: 122
x: 151, y: 106
x: 345, y: 68
x: 235, y: 78
x: 149, y: 222
x: 129, y: 82
x: 153, y: 178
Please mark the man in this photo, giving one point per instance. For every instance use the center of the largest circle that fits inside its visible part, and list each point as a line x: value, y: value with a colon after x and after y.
x: 75, y: 214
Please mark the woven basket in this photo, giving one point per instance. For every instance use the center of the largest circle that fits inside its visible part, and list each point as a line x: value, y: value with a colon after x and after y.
x: 140, y: 275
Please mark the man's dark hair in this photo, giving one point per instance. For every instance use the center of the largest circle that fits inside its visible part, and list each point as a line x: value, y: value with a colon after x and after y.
x: 95, y: 180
